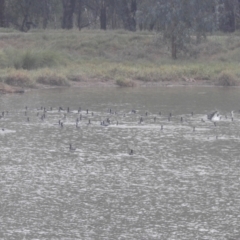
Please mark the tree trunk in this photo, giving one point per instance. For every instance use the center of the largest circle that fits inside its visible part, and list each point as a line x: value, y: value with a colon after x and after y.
x: 2, y: 13
x: 79, y: 14
x: 231, y: 17
x: 133, y: 14
x: 174, y: 47
x: 237, y: 14
x: 128, y: 15
x: 26, y: 10
x: 46, y: 13
x: 68, y: 10
x: 103, y: 16
x: 151, y: 26
x: 113, y: 14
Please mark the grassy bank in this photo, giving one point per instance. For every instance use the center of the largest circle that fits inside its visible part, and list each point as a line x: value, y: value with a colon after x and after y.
x: 63, y: 58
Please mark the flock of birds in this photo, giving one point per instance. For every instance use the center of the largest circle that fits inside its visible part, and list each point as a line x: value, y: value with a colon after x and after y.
x: 111, y: 117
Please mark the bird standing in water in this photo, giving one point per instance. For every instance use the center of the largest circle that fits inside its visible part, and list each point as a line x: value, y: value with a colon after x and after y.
x: 71, y: 148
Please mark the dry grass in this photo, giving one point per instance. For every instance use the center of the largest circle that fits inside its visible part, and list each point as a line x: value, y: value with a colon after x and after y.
x: 19, y: 79
x: 50, y: 78
x: 125, y: 83
x: 4, y: 88
x: 227, y: 79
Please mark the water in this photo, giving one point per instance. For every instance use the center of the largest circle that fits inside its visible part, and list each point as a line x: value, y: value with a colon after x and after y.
x: 178, y: 184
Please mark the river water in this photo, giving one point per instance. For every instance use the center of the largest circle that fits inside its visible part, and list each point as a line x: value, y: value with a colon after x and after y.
x: 181, y: 182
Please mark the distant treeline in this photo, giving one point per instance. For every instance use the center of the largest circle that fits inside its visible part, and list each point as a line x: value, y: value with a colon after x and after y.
x: 224, y: 15
x: 177, y: 20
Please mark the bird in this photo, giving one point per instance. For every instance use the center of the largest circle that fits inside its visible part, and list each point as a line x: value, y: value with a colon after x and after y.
x: 215, y: 116
x: 140, y: 120
x: 232, y: 115
x: 131, y: 152
x: 71, y: 148
x: 134, y: 111
x: 105, y: 124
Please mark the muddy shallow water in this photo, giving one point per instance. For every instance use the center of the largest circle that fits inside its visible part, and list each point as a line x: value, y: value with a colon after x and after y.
x: 182, y: 182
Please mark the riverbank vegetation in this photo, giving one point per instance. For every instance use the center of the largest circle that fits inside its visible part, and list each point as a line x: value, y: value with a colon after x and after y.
x: 60, y: 57
x: 126, y: 43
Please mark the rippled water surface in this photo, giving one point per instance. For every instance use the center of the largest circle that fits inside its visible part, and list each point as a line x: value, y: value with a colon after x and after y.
x: 178, y: 184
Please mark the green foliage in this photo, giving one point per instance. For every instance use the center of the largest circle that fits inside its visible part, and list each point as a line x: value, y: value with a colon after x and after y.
x: 26, y: 14
x: 29, y: 59
x: 180, y: 19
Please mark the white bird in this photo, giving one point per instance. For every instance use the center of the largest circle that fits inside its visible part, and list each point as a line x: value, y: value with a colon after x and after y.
x: 214, y: 117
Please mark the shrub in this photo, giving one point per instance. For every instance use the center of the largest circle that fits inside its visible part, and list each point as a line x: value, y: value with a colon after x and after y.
x: 75, y: 78
x: 38, y: 59
x: 125, y: 83
x: 52, y: 79
x: 4, y: 88
x: 227, y: 79
x: 19, y: 79
x: 29, y: 59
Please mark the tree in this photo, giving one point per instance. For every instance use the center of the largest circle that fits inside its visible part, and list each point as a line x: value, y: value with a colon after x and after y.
x: 127, y: 12
x: 79, y: 13
x: 228, y: 15
x: 112, y: 14
x: 2, y: 13
x: 68, y: 10
x: 103, y: 15
x: 181, y: 19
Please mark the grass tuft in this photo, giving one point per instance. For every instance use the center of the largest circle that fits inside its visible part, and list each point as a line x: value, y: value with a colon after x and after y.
x: 19, y: 79
x: 29, y: 59
x: 49, y: 78
x: 227, y: 79
x: 75, y: 78
x: 125, y: 83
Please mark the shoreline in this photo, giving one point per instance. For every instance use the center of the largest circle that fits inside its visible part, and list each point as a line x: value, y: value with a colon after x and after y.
x: 112, y: 59
x: 7, y: 89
